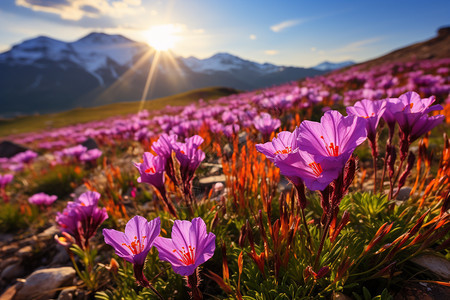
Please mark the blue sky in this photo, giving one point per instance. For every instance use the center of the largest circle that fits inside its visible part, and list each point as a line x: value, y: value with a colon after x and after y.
x: 298, y: 33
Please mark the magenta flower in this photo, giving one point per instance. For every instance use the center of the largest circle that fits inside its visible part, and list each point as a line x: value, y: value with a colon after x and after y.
x: 42, y: 199
x: 265, y: 124
x: 371, y: 111
x: 315, y: 175
x: 134, y: 244
x: 393, y: 105
x: 284, y: 143
x: 82, y: 217
x: 413, y: 119
x: 190, y: 156
x: 90, y: 155
x: 75, y: 151
x: 332, y: 141
x: 189, y: 247
x: 5, y: 179
x: 24, y: 157
x: 164, y: 147
x: 152, y: 170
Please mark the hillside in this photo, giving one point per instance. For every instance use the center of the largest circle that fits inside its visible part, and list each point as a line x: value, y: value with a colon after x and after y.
x: 435, y: 48
x: 82, y: 115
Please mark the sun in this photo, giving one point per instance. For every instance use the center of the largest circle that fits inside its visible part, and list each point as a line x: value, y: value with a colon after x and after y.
x: 163, y: 37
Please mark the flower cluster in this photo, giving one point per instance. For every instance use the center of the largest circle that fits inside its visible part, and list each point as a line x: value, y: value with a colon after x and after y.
x: 42, y: 199
x: 154, y: 167
x: 82, y: 217
x: 315, y: 153
x: 189, y: 247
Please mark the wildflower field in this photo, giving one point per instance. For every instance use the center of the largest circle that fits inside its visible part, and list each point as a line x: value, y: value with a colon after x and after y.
x: 334, y: 187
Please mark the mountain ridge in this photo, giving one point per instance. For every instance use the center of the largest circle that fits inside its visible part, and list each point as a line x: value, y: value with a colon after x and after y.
x: 45, y: 75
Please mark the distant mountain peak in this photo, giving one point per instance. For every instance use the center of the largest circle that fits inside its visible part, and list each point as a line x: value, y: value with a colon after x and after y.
x: 329, y: 66
x: 103, y: 38
x: 46, y: 75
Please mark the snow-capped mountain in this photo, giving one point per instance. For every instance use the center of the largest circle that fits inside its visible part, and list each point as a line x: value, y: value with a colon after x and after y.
x: 330, y: 66
x: 224, y: 62
x: 44, y: 75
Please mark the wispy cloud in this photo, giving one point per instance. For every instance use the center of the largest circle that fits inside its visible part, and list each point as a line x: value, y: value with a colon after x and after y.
x: 286, y: 24
x: 357, y: 46
x: 77, y: 9
x: 252, y: 37
x: 271, y: 52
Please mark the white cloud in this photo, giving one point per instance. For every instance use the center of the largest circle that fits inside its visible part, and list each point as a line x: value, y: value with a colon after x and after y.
x: 252, y: 37
x: 357, y: 46
x: 77, y: 9
x: 271, y: 52
x: 285, y: 24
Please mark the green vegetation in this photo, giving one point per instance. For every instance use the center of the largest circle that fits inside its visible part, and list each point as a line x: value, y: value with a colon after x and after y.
x: 83, y: 115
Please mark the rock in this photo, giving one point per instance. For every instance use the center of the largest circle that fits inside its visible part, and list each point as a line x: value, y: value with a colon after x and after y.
x: 90, y: 144
x: 436, y: 264
x: 67, y: 294
x: 423, y: 291
x: 9, y: 149
x: 6, y: 237
x: 48, y: 233
x: 42, y: 284
x: 11, y: 292
x: 213, y: 179
x: 404, y: 193
x: 25, y: 251
x: 9, y: 261
x: 9, y: 249
x: 12, y: 271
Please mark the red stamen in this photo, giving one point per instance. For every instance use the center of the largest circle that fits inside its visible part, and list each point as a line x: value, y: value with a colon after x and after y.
x: 316, y: 168
x: 151, y: 170
x: 186, y: 257
x: 136, y: 246
x: 366, y: 117
x: 284, y: 151
x: 332, y: 150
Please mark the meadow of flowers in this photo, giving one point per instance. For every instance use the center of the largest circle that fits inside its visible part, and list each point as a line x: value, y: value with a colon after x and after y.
x: 332, y: 187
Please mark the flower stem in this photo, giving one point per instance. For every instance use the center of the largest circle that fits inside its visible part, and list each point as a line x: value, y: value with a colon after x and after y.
x: 192, y: 283
x: 322, y: 240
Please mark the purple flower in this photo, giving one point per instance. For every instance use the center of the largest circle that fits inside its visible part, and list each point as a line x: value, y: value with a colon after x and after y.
x: 152, y: 170
x: 5, y: 179
x: 393, y: 105
x: 42, y: 199
x: 371, y: 111
x: 164, y: 145
x: 284, y: 143
x: 265, y: 124
x: 189, y: 247
x: 333, y: 140
x: 75, y: 151
x: 134, y: 244
x: 82, y: 218
x: 24, y: 157
x: 413, y: 118
x: 90, y: 155
x: 189, y: 157
x: 315, y: 175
